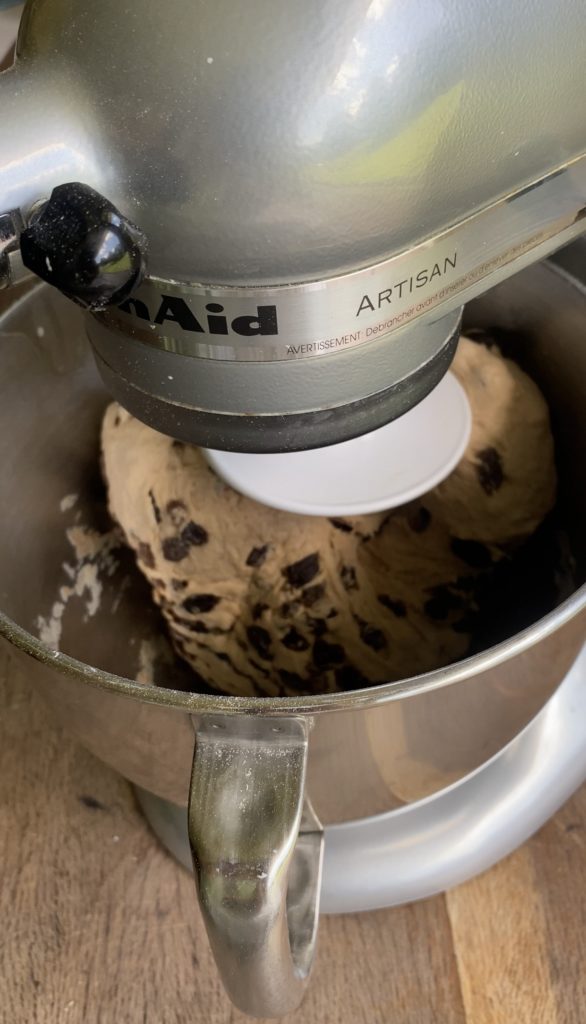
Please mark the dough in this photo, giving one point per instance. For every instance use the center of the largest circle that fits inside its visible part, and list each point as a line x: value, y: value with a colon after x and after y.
x: 264, y: 602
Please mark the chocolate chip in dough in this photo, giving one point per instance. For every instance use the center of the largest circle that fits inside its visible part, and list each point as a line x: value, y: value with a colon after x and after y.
x: 177, y: 512
x: 348, y: 577
x: 397, y: 607
x: 419, y: 519
x: 327, y: 655
x: 298, y: 574
x: 292, y: 679
x: 289, y: 608
x: 258, y: 610
x: 259, y: 668
x: 349, y: 678
x: 372, y: 637
x: 179, y: 584
x: 194, y: 534
x: 145, y: 554
x: 198, y: 627
x: 257, y: 556
x: 317, y: 626
x: 294, y: 641
x: 312, y: 594
x: 155, y: 507
x: 175, y: 549
x: 92, y: 803
x: 260, y: 638
x: 198, y: 603
x: 489, y: 469
x: 341, y: 524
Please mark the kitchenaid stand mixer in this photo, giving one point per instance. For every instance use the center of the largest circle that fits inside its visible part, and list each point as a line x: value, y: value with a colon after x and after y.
x: 274, y: 215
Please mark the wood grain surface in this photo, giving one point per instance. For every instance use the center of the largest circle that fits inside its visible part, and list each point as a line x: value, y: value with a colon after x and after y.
x: 100, y: 926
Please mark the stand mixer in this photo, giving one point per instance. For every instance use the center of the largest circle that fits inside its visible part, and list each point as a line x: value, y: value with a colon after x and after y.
x: 273, y: 215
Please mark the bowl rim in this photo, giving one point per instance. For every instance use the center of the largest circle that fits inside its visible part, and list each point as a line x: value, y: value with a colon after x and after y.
x: 368, y: 697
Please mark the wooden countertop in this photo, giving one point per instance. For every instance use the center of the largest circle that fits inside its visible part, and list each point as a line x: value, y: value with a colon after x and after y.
x: 100, y: 926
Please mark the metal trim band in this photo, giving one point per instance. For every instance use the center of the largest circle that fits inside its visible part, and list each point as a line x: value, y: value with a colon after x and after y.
x: 278, y: 432
x: 310, y: 319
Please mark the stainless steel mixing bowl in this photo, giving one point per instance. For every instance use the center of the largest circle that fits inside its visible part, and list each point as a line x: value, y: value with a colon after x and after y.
x: 355, y: 754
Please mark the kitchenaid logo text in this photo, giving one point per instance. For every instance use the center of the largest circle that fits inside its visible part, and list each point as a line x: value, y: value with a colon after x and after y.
x: 326, y: 319
x: 175, y: 310
x: 401, y: 289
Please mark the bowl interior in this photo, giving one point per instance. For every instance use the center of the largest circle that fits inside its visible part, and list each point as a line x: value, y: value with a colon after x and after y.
x: 64, y: 576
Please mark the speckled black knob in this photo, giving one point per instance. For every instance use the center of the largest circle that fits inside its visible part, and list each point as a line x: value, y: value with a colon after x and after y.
x: 80, y: 243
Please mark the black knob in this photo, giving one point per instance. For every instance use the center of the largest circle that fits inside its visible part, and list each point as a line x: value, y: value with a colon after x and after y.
x: 80, y: 243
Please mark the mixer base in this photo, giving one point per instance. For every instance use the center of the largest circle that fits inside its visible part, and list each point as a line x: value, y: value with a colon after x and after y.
x: 436, y: 843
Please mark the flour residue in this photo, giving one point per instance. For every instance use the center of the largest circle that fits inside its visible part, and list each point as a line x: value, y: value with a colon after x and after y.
x: 154, y: 654
x: 68, y: 502
x: 93, y: 557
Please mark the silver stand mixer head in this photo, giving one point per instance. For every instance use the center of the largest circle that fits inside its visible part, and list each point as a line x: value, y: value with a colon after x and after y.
x: 279, y: 224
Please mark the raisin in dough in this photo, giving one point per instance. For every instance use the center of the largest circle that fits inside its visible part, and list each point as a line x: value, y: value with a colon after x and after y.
x: 263, y: 602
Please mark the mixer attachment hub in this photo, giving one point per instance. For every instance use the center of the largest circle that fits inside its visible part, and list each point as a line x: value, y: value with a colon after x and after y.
x: 80, y: 243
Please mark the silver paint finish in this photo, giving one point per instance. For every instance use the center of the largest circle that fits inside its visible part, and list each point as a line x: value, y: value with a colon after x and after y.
x: 279, y: 432
x: 278, y: 142
x: 49, y: 134
x: 467, y: 827
x: 336, y: 314
x: 257, y: 866
x: 271, y: 388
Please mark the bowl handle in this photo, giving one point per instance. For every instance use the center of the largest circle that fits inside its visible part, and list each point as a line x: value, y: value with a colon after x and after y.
x: 257, y: 854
